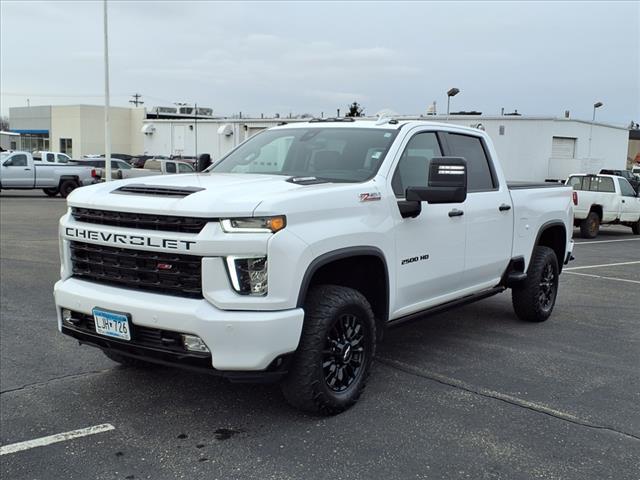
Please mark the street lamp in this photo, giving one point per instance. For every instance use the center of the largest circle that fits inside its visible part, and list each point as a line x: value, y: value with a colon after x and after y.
x: 593, y: 119
x: 451, y: 93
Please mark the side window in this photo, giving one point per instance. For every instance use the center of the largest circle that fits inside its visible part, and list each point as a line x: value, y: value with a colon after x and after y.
x: 470, y: 148
x: 50, y: 157
x: 171, y: 167
x: 413, y: 168
x: 19, y: 161
x: 626, y: 189
x: 184, y: 168
x: 602, y: 184
x: 62, y: 158
x: 575, y: 183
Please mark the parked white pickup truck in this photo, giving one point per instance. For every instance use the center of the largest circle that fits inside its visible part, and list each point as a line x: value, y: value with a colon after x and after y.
x: 19, y: 171
x: 160, y: 167
x: 603, y: 199
x: 288, y: 258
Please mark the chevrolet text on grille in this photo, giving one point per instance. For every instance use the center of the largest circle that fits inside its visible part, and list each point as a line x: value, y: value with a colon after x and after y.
x: 131, y: 240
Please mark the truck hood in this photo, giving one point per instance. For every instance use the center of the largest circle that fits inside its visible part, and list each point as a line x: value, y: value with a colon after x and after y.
x: 214, y: 194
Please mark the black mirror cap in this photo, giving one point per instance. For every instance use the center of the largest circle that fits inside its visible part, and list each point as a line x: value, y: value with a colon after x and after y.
x: 448, y: 172
x: 203, y: 162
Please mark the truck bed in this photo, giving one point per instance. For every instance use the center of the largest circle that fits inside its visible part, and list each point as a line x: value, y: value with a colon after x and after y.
x: 526, y: 185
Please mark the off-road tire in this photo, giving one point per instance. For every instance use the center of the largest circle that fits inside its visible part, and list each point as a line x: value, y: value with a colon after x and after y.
x: 530, y: 296
x: 67, y: 187
x: 635, y: 228
x: 51, y: 192
x: 590, y: 226
x: 128, y: 361
x: 306, y: 386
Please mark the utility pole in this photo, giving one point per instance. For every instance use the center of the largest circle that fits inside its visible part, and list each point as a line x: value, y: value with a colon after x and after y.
x: 136, y: 99
x: 195, y: 111
x: 107, y: 127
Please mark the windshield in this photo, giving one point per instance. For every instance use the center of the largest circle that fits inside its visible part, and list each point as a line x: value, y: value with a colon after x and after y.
x: 334, y: 154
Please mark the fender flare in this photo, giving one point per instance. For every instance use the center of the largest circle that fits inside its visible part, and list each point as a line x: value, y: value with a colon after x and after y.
x: 341, y: 254
x: 546, y: 226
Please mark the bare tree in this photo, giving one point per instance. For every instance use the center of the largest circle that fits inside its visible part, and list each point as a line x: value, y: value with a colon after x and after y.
x: 355, y: 110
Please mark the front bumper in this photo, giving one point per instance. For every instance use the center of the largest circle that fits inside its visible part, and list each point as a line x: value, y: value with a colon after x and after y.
x: 237, y: 340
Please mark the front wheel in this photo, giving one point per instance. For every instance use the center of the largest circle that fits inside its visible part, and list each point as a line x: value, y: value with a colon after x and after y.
x: 534, y: 298
x: 330, y: 368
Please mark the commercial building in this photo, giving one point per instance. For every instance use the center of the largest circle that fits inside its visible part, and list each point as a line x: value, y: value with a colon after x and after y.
x: 78, y: 130
x: 10, y: 141
x: 530, y: 148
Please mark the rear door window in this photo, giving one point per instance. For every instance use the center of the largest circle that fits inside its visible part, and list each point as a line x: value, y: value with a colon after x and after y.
x: 170, y: 167
x: 480, y: 177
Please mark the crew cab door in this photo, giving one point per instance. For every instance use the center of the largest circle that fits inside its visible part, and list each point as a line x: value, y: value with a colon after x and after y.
x: 430, y: 247
x: 17, y: 171
x: 488, y: 211
x: 630, y: 202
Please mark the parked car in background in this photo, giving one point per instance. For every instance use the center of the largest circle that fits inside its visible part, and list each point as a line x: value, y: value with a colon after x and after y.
x: 602, y: 199
x: 51, y: 157
x: 18, y: 171
x: 161, y: 167
x: 119, y: 168
x: 636, y: 171
x: 628, y: 174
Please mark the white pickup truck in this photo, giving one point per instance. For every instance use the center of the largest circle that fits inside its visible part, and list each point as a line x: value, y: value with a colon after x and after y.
x: 603, y: 199
x: 288, y: 258
x: 51, y: 157
x: 18, y: 171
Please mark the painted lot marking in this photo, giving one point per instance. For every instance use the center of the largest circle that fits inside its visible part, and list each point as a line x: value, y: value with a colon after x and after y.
x: 609, y: 241
x: 58, y: 437
x: 600, y: 276
x: 603, y: 265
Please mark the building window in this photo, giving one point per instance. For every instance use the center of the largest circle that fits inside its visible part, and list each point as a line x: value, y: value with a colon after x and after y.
x: 66, y: 146
x: 13, y: 146
x: 501, y: 130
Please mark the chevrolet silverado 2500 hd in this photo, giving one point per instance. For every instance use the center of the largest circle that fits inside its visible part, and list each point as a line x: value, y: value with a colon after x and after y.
x: 288, y: 258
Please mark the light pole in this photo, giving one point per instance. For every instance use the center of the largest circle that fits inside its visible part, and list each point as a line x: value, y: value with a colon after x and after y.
x: 451, y: 93
x: 593, y: 119
x: 107, y: 128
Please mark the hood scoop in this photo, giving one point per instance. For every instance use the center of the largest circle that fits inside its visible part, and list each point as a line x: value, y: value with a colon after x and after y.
x: 156, y: 190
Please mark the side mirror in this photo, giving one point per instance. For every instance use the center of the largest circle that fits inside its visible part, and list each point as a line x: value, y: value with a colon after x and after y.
x: 447, y: 182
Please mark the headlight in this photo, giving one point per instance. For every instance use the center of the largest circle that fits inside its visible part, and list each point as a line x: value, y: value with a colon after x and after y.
x: 248, y: 275
x: 254, y: 224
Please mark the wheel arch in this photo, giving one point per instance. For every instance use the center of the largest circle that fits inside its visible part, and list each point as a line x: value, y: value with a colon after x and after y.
x: 553, y: 234
x: 363, y: 268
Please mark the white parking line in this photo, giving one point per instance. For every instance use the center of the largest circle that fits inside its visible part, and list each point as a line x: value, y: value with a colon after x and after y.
x: 600, y: 276
x: 608, y: 241
x: 58, y: 437
x: 603, y: 265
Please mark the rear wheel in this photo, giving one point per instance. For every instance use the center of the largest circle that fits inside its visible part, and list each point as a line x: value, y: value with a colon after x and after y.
x: 635, y: 227
x: 590, y: 226
x: 67, y: 187
x: 331, y: 366
x: 51, y: 192
x: 534, y: 298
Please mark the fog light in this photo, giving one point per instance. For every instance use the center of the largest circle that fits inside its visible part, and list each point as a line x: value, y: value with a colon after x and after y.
x: 67, y: 317
x: 194, y: 344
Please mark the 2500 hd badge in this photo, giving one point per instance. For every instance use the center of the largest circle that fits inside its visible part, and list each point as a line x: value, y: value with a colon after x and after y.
x: 132, y: 240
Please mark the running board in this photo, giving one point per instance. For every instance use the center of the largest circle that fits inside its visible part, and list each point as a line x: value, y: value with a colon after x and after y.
x: 446, y: 306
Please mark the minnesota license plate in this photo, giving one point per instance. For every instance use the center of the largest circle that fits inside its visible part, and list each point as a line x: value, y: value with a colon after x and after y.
x: 112, y: 324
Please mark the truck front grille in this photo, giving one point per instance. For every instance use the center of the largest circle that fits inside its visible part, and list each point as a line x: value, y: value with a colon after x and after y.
x: 159, y: 272
x: 145, y: 221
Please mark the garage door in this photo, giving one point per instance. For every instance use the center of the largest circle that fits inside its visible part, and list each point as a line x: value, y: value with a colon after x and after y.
x: 563, y: 147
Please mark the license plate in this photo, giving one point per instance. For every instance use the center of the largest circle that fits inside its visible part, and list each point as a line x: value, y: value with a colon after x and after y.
x: 112, y: 324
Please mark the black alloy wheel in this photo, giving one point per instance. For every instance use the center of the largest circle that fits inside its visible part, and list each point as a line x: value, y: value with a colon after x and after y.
x: 344, y: 354
x: 548, y: 288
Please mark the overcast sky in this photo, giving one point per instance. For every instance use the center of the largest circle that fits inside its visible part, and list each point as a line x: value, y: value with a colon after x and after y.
x: 540, y: 58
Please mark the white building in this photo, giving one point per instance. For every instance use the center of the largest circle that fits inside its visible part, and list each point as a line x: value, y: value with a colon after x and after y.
x: 10, y: 141
x: 530, y: 148
x: 78, y: 130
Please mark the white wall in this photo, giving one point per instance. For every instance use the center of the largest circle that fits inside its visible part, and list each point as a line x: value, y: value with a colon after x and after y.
x: 524, y: 149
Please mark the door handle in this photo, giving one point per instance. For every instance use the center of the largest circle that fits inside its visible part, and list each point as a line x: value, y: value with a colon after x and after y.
x: 456, y: 213
x: 27, y: 169
x: 504, y: 207
x: 623, y: 201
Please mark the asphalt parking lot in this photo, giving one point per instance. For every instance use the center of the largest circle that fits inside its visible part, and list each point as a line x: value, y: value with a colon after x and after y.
x: 472, y: 393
